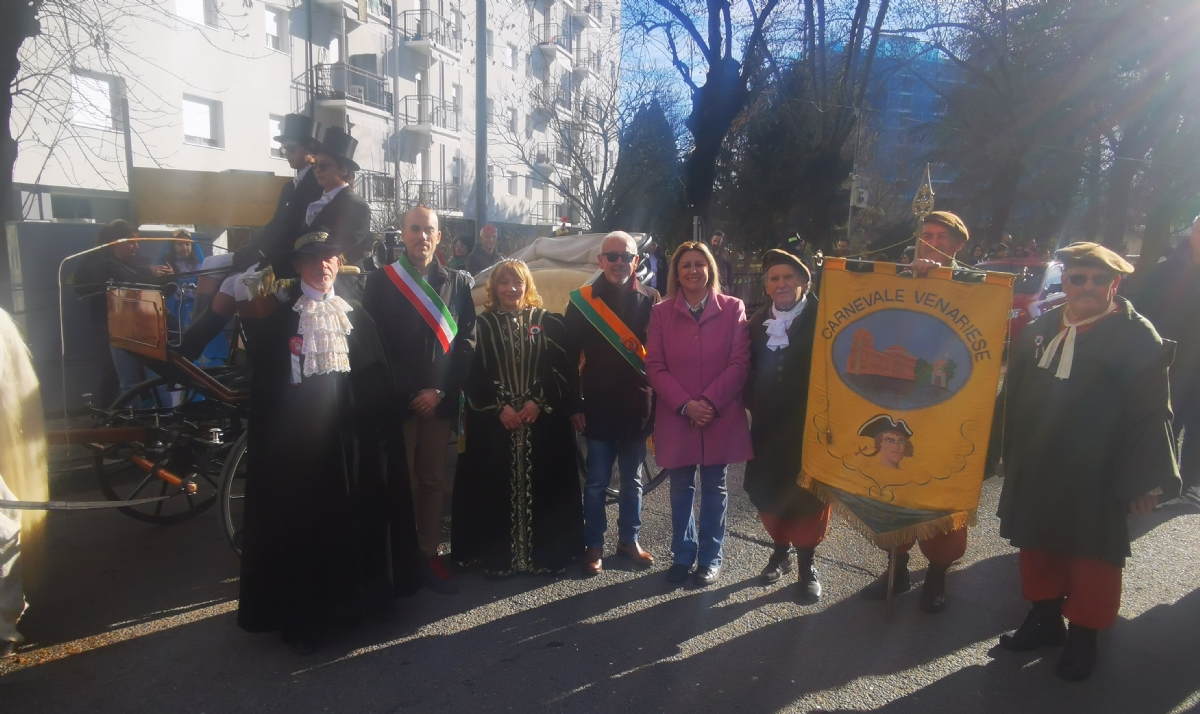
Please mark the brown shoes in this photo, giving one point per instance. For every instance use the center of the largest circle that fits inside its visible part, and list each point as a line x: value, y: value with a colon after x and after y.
x: 592, y: 564
x: 634, y: 552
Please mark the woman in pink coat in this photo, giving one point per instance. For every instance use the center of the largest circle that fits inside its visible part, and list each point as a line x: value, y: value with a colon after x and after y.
x: 697, y: 359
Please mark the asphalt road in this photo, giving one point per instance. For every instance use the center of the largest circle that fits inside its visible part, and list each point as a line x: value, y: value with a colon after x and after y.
x: 139, y: 618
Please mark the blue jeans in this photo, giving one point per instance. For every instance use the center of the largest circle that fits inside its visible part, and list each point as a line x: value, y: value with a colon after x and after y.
x: 714, y: 503
x: 600, y: 458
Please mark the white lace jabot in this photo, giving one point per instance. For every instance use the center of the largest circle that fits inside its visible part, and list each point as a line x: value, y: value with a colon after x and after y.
x: 323, y: 326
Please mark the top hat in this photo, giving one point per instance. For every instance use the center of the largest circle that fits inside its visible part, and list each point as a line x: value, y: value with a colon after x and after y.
x: 300, y: 129
x: 878, y: 425
x: 336, y: 142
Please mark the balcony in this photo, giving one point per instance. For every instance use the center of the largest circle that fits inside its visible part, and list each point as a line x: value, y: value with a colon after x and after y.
x: 588, y: 63
x: 548, y: 155
x: 430, y: 34
x: 554, y: 40
x: 341, y: 82
x: 551, y: 97
x: 375, y: 187
x: 588, y: 109
x: 550, y: 212
x: 437, y: 195
x: 587, y: 14
x: 426, y: 114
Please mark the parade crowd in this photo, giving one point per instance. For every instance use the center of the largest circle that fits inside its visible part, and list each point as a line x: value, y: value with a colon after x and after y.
x: 355, y: 399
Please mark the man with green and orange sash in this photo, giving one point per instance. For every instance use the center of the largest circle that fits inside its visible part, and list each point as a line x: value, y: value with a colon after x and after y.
x: 614, y: 410
x: 426, y: 320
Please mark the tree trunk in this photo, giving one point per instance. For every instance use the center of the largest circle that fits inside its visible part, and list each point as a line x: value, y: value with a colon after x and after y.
x: 19, y: 22
x: 1003, y: 192
x: 1116, y: 204
x: 714, y: 108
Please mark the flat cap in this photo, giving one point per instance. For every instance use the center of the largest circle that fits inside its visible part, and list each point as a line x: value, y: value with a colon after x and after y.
x: 1093, y: 255
x: 776, y: 256
x: 951, y: 221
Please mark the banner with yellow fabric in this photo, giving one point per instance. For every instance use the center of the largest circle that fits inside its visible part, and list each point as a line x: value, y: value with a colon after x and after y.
x: 904, y: 380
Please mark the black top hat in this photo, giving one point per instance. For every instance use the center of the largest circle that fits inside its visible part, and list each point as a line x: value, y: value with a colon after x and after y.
x: 877, y: 425
x: 300, y: 129
x: 336, y: 142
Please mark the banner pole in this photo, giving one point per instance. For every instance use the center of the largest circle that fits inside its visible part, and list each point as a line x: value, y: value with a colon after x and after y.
x: 891, y: 570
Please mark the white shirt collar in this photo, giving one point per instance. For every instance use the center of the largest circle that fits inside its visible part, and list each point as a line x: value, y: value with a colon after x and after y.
x: 313, y: 294
x: 301, y: 174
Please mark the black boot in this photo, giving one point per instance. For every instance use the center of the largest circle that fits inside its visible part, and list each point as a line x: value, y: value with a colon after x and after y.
x: 808, y: 588
x: 204, y: 328
x: 900, y: 581
x: 1043, y: 627
x: 933, y: 594
x: 1078, y: 658
x: 779, y: 563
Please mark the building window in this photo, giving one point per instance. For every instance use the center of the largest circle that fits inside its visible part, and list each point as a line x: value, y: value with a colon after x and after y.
x: 201, y: 12
x: 456, y: 96
x: 512, y: 183
x: 905, y: 102
x: 528, y: 187
x: 92, y: 101
x: 491, y: 179
x: 70, y: 207
x: 456, y: 170
x: 939, y: 105
x: 490, y: 114
x: 274, y: 122
x: 512, y: 121
x: 489, y: 44
x: 514, y: 60
x: 615, y: 17
x: 201, y: 122
x: 276, y: 24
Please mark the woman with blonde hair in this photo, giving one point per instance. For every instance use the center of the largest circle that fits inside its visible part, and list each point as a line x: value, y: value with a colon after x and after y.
x: 517, y: 501
x: 697, y: 360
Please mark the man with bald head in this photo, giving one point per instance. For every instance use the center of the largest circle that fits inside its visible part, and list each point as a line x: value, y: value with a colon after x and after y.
x: 426, y: 321
x: 485, y: 254
x: 613, y: 405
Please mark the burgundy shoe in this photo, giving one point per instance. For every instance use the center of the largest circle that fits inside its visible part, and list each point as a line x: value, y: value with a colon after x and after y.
x: 592, y: 563
x: 635, y: 553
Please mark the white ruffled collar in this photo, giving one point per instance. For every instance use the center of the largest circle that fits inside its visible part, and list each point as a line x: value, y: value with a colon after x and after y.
x: 323, y: 328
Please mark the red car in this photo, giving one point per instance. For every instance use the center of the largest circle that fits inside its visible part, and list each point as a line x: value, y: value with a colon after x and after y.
x: 1037, y: 288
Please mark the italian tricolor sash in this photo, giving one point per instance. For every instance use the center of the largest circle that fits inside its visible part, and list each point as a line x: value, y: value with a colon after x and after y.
x: 610, y: 326
x: 423, y: 297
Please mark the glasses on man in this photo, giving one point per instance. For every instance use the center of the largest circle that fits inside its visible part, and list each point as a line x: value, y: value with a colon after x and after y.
x: 613, y: 256
x: 1081, y: 279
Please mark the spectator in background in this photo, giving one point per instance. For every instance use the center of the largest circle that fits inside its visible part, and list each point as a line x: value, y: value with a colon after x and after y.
x: 975, y: 256
x: 1170, y: 299
x: 724, y: 259
x: 485, y: 254
x: 117, y: 263
x: 183, y: 258
x: 999, y: 252
x: 906, y: 258
x: 458, y: 255
x: 1028, y: 250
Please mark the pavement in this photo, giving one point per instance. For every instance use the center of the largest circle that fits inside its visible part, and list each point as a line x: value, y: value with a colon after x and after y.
x: 132, y: 617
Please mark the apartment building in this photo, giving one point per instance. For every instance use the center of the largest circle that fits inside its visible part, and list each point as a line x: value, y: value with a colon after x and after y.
x: 205, y: 83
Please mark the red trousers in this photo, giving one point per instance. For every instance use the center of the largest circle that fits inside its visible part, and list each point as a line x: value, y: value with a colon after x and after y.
x: 941, y: 549
x: 1092, y: 588
x: 804, y: 532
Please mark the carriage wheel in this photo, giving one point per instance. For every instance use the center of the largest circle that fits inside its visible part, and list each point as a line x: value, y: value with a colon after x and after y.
x: 233, y: 491
x: 121, y: 480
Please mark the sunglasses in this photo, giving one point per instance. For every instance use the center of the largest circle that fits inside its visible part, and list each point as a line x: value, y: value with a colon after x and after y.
x: 613, y: 256
x: 1100, y: 281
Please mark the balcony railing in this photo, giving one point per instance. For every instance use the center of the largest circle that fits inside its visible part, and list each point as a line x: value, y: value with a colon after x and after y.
x: 418, y: 25
x: 552, y: 96
x: 438, y: 195
x: 551, y: 153
x: 587, y: 59
x: 341, y: 81
x: 550, y: 211
x: 419, y: 109
x: 553, y: 34
x: 588, y: 13
x: 375, y: 187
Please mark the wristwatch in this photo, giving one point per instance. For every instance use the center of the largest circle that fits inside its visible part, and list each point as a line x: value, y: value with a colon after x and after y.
x: 440, y: 393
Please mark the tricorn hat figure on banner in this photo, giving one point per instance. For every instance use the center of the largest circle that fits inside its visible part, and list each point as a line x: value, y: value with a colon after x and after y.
x: 300, y: 129
x: 337, y: 143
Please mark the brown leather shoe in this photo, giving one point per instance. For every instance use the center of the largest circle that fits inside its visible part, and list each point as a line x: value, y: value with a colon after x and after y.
x: 634, y: 552
x: 592, y: 564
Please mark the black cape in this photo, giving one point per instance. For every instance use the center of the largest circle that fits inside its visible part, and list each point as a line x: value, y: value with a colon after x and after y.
x: 517, y: 499
x: 777, y: 397
x: 1077, y: 451
x: 312, y: 544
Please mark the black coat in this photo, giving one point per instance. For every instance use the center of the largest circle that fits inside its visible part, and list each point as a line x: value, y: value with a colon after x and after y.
x: 777, y: 397
x: 1077, y: 451
x: 479, y: 260
x: 284, y: 228
x: 347, y: 217
x: 1170, y: 299
x: 616, y: 401
x: 414, y: 353
x: 313, y: 535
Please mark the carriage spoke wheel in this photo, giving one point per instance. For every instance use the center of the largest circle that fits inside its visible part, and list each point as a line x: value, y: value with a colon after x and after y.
x: 121, y: 480
x: 233, y: 493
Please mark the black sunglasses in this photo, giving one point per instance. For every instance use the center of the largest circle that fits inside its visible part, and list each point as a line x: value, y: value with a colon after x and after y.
x: 1100, y: 281
x: 613, y: 256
